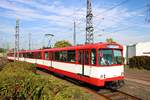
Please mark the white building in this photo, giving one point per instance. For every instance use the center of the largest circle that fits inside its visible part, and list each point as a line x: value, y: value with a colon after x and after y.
x: 138, y: 49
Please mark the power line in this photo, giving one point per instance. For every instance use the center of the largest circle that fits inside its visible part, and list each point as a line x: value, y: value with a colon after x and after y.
x: 127, y: 19
x: 113, y: 7
x: 109, y: 9
x: 121, y: 3
x: 122, y: 29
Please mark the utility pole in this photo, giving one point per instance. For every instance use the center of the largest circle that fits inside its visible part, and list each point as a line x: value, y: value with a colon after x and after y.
x: 147, y: 19
x: 49, y: 36
x: 16, y: 49
x: 29, y: 41
x: 89, y: 23
x: 74, y: 34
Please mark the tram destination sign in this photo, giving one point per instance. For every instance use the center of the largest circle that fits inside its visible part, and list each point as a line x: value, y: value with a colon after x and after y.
x: 113, y: 46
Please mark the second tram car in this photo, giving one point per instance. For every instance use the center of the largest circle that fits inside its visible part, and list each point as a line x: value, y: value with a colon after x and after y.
x: 99, y: 64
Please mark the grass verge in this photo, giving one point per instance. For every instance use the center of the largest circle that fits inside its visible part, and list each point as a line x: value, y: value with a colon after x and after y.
x: 19, y: 81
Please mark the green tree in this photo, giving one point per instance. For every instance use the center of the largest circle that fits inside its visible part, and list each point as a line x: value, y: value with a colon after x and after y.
x: 62, y: 43
x: 110, y: 40
x: 2, y: 50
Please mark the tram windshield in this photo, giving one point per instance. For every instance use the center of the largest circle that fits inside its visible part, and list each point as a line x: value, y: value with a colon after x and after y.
x: 110, y: 57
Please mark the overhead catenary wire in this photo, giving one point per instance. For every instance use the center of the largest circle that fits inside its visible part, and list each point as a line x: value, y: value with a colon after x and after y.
x: 127, y: 19
x: 122, y: 29
x: 109, y: 9
x: 123, y: 2
x: 113, y: 7
x: 83, y: 20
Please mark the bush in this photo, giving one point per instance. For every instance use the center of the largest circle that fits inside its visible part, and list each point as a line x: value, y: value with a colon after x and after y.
x: 140, y: 62
x: 18, y: 81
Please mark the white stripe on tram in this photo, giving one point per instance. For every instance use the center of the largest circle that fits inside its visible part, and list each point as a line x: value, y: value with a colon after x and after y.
x: 91, y: 71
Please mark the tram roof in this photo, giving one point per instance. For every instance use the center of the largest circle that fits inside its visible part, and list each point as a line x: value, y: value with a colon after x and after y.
x: 82, y: 46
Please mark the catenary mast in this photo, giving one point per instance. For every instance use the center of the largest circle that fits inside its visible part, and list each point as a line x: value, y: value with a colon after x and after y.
x: 16, y: 49
x: 89, y: 23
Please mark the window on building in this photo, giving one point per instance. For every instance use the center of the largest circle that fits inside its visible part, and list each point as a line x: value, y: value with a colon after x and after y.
x: 71, y: 56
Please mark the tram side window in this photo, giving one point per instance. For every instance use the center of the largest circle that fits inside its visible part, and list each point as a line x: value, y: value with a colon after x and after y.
x: 50, y: 55
x: 11, y: 54
x: 24, y: 55
x: 39, y: 55
x: 93, y: 57
x: 53, y: 55
x: 20, y: 55
x: 46, y: 55
x: 57, y: 56
x: 86, y: 57
x: 30, y: 55
x: 27, y: 55
x: 63, y: 56
x: 79, y: 57
x: 71, y: 56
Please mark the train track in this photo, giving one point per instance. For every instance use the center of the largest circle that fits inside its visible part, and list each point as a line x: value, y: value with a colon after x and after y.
x: 116, y: 95
x: 101, y: 94
x: 107, y: 94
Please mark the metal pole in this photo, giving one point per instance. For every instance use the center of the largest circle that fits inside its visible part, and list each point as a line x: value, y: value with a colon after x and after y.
x: 89, y: 23
x: 29, y: 41
x: 74, y: 35
x: 49, y: 36
x: 16, y: 49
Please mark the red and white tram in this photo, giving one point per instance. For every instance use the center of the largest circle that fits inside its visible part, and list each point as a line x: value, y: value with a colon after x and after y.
x: 98, y: 64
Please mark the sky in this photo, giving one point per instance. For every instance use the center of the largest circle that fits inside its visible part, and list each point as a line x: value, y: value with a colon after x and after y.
x: 122, y: 20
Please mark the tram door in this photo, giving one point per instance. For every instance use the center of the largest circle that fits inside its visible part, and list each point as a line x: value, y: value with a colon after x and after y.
x: 83, y: 59
x: 87, y: 58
